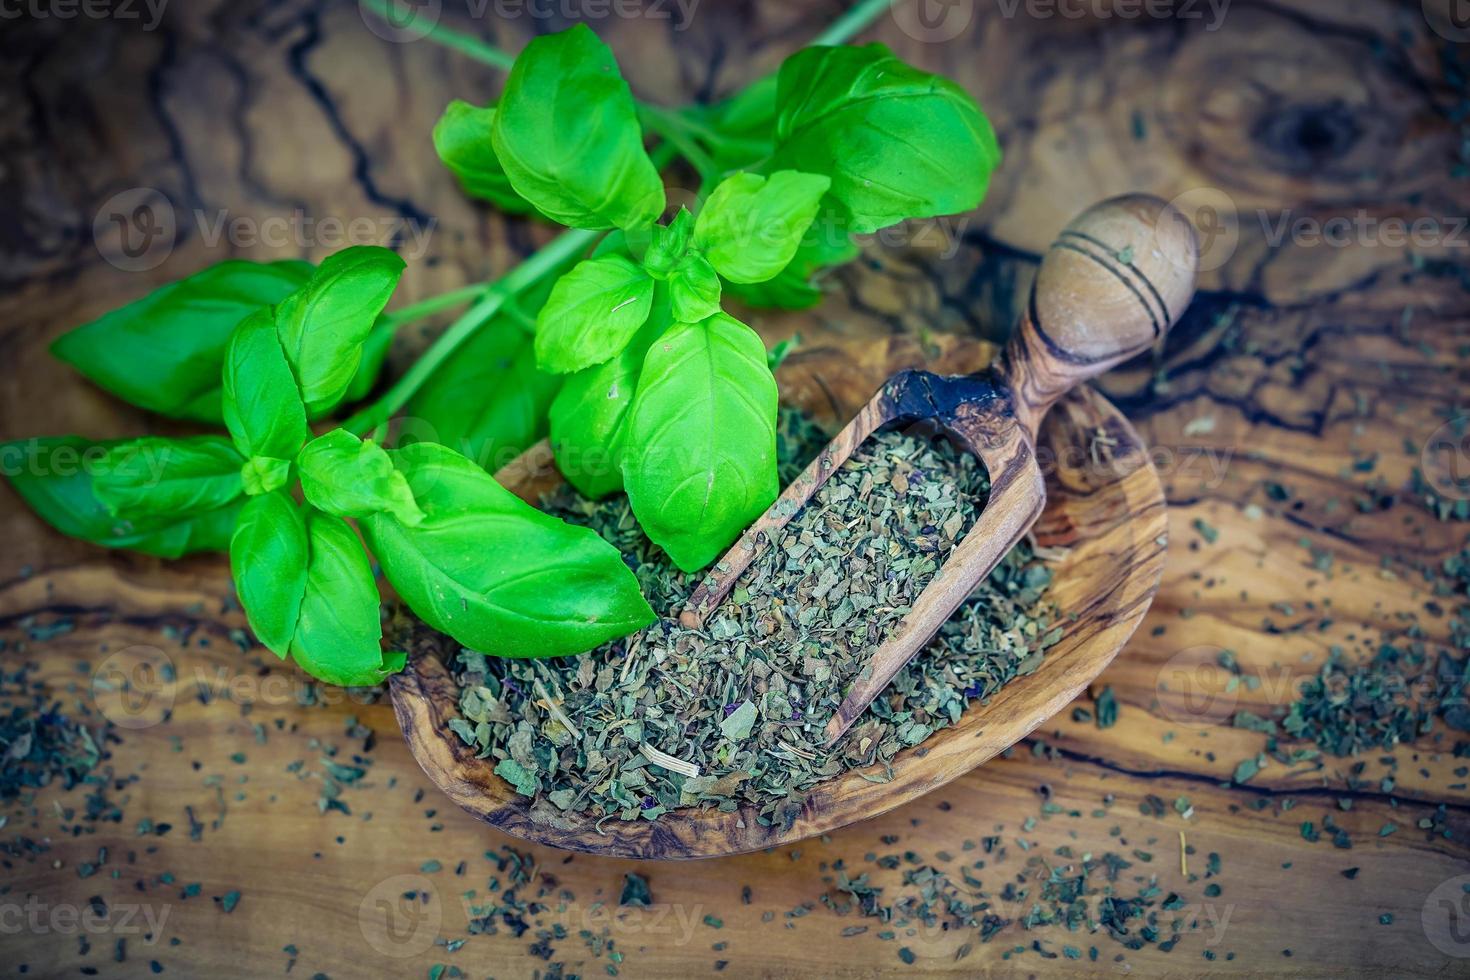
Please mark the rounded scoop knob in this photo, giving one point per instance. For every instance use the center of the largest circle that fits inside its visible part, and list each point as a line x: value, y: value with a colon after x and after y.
x: 1116, y: 279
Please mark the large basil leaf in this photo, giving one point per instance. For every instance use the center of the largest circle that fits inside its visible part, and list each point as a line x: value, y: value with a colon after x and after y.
x: 589, y: 415
x: 324, y: 325
x: 489, y: 400
x: 704, y: 424
x: 374, y: 354
x: 351, y: 477
x: 262, y: 407
x: 592, y: 313
x: 897, y: 142
x: 495, y: 573
x: 751, y: 226
x: 462, y: 140
x: 566, y: 132
x: 269, y: 555
x: 339, y: 629
x: 154, y: 476
x: 54, y: 476
x: 825, y: 245
x: 163, y: 352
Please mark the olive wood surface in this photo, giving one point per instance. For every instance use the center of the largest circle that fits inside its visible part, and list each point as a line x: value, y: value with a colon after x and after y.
x: 1299, y: 360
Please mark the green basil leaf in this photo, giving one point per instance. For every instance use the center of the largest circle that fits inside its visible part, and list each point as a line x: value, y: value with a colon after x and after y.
x: 824, y: 246
x: 694, y: 289
x: 262, y: 407
x: 154, y: 476
x: 704, y: 426
x: 324, y: 325
x: 897, y: 142
x: 592, y: 313
x: 163, y: 352
x: 462, y: 140
x: 751, y: 225
x: 589, y: 414
x: 351, y: 477
x: 269, y: 555
x: 374, y: 354
x: 54, y: 476
x: 566, y: 132
x: 495, y: 573
x: 667, y: 244
x: 339, y: 630
x: 488, y: 400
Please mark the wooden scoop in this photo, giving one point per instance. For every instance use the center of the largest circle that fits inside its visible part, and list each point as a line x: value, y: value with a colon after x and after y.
x: 1109, y: 287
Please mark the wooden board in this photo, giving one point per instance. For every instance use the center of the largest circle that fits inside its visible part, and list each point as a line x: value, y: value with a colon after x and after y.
x: 1300, y: 362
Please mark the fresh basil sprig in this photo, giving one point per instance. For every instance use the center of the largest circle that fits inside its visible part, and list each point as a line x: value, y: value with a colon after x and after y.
x: 669, y: 397
x: 627, y: 357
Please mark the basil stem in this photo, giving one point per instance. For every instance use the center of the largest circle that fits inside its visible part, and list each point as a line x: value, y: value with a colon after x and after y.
x: 466, y: 44
x: 522, y: 277
x: 434, y: 304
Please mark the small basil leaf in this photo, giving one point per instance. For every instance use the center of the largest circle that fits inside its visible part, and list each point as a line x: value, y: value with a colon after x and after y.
x: 154, y: 476
x: 694, y: 289
x: 488, y: 400
x: 262, y: 407
x: 351, y: 477
x: 668, y: 243
x: 825, y: 245
x: 495, y: 573
x: 54, y: 476
x: 897, y: 142
x: 269, y: 555
x: 566, y: 132
x: 324, y: 325
x: 462, y: 140
x: 589, y: 415
x: 751, y: 225
x: 262, y: 474
x: 592, y: 313
x: 339, y: 630
x: 704, y: 422
x: 163, y: 352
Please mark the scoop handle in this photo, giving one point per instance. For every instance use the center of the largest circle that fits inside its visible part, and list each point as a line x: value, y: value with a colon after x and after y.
x: 1111, y: 285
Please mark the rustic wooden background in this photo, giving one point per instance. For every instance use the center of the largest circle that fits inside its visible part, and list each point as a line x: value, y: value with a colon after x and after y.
x: 1321, y: 366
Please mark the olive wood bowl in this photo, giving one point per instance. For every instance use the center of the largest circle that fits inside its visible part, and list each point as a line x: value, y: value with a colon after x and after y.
x: 1105, y: 516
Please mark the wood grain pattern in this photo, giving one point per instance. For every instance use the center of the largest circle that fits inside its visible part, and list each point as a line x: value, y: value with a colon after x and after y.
x: 1319, y: 367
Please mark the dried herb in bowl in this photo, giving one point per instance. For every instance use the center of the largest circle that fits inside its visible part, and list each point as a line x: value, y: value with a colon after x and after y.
x: 733, y: 713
